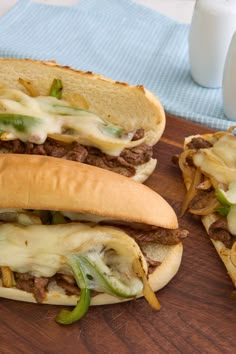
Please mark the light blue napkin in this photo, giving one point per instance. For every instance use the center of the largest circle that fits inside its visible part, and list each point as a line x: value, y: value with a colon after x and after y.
x: 119, y: 39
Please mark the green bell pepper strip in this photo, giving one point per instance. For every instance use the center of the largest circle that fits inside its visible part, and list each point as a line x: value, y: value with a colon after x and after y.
x: 19, y: 122
x: 56, y: 89
x: 226, y: 199
x: 223, y: 210
x: 102, y: 279
x: 69, y: 317
x: 94, y: 274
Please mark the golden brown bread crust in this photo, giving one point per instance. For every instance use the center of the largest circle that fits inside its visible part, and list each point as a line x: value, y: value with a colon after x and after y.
x: 41, y: 182
x: 169, y: 256
x: 131, y: 107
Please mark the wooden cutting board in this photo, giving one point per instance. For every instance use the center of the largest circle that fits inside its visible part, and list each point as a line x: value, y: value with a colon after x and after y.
x: 198, y: 307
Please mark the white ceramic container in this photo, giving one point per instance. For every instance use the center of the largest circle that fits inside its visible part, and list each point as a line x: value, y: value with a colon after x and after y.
x: 212, y: 27
x: 229, y: 81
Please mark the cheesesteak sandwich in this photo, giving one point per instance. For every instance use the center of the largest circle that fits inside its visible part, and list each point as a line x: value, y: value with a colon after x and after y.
x: 73, y: 234
x: 208, y: 165
x: 46, y: 109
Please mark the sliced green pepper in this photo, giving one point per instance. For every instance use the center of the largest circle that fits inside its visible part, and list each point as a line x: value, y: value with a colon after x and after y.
x: 101, y: 278
x: 223, y: 210
x: 227, y: 197
x: 69, y: 317
x: 56, y: 89
x: 91, y: 272
x: 19, y: 122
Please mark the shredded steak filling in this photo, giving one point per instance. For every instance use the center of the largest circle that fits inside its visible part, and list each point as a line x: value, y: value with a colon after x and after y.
x: 219, y: 231
x: 68, y: 283
x: 35, y: 285
x: 123, y: 164
x: 157, y: 235
x: 202, y: 199
x: 199, y: 143
x: 152, y: 264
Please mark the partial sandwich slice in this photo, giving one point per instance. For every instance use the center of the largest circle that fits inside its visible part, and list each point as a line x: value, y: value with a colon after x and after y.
x: 208, y: 165
x: 73, y: 234
x: 57, y: 111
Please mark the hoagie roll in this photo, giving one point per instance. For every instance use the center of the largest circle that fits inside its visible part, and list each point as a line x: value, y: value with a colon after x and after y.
x: 73, y: 234
x: 57, y: 111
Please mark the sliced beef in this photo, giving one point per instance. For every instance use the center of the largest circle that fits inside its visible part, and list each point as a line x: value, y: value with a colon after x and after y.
x: 68, y: 283
x: 77, y: 153
x: 199, y: 143
x: 157, y: 235
x: 40, y: 289
x: 137, y: 155
x: 139, y: 134
x: 152, y: 264
x: 24, y: 282
x: 113, y: 163
x: 38, y: 285
x: 219, y: 231
x: 73, y: 151
x: 123, y: 164
x: 202, y: 199
x: 18, y: 147
x: 36, y: 149
x: 35, y: 285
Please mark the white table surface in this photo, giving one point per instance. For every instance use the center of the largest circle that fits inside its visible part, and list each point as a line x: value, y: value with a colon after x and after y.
x: 180, y: 10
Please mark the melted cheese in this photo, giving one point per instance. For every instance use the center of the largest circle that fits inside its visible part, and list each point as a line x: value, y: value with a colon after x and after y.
x: 42, y: 250
x: 219, y: 161
x: 49, y: 116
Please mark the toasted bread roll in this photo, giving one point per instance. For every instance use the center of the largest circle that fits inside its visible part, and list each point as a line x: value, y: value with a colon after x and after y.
x: 130, y: 109
x: 68, y: 229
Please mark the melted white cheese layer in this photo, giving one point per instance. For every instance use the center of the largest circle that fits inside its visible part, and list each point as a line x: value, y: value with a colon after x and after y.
x: 219, y: 161
x: 42, y: 250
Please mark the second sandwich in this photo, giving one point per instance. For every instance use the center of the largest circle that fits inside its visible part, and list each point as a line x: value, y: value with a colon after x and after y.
x: 73, y: 234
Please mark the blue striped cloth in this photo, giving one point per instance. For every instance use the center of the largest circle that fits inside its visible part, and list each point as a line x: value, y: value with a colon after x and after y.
x: 119, y: 39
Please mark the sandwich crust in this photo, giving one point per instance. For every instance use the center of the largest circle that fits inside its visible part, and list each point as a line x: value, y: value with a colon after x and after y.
x: 47, y: 183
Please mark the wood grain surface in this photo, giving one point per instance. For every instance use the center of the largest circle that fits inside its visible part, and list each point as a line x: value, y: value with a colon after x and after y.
x: 198, y: 309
